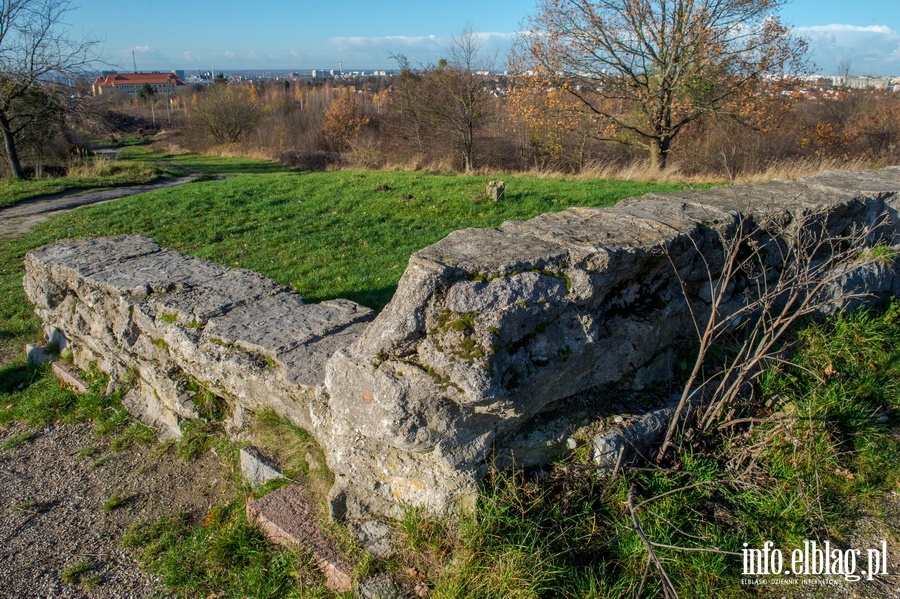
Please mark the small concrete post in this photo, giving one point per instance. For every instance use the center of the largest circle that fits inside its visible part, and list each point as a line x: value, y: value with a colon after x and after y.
x: 496, y: 190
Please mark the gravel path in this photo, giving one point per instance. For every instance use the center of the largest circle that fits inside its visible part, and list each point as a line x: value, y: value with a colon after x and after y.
x: 52, y: 493
x: 53, y: 486
x: 19, y: 218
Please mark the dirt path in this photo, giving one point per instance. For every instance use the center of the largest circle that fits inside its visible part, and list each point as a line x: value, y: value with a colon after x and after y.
x: 19, y: 218
x: 53, y: 488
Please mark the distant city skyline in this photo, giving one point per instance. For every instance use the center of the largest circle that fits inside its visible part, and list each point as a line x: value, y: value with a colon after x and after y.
x: 299, y: 34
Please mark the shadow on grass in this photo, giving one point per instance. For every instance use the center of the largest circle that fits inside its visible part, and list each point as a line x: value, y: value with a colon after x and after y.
x: 212, y: 165
x: 376, y: 299
x: 16, y: 377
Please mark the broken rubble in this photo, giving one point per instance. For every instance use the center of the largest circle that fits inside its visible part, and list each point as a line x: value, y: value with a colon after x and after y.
x: 257, y: 470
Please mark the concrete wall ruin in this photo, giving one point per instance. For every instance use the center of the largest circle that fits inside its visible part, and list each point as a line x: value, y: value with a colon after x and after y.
x: 484, y: 354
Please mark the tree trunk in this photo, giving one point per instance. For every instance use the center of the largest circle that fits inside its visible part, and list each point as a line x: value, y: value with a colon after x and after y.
x: 467, y: 159
x: 9, y: 141
x: 468, y: 150
x: 659, y: 152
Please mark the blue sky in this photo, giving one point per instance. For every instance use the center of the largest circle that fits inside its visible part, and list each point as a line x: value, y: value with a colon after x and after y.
x: 298, y: 34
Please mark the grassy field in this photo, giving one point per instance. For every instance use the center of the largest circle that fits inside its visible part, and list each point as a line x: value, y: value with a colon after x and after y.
x: 96, y: 174
x: 312, y: 230
x: 820, y: 472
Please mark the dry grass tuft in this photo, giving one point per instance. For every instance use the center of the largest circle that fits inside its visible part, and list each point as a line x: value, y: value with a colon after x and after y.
x: 104, y: 167
x: 296, y: 451
x: 806, y: 167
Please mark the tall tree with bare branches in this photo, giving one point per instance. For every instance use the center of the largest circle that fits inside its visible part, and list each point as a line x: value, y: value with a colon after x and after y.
x: 448, y: 101
x: 458, y: 94
x: 648, y: 68
x: 33, y: 47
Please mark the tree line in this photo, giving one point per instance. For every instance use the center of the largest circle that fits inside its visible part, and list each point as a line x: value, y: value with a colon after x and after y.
x: 701, y: 85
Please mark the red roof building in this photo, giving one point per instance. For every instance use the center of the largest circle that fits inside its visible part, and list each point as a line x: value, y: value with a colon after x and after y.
x: 131, y: 83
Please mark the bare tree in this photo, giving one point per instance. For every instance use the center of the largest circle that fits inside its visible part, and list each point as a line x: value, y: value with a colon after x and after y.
x: 33, y: 47
x: 770, y: 274
x: 447, y: 101
x: 226, y: 112
x: 407, y: 103
x: 459, y: 98
x: 648, y: 68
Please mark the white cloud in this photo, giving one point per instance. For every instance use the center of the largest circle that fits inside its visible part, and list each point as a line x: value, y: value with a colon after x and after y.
x: 229, y: 54
x: 871, y: 50
x: 496, y: 35
x: 142, y: 49
x: 419, y: 49
x: 386, y: 41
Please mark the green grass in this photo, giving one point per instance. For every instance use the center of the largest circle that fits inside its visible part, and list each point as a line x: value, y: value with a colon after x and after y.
x: 115, y: 502
x: 78, y: 574
x: 196, y: 559
x: 136, y: 166
x: 311, y: 231
x: 42, y: 399
x: 91, y: 581
x: 297, y: 453
x: 847, y: 420
x: 197, y: 437
x: 198, y: 163
x: 88, y: 452
x: 98, y: 174
x: 16, y: 440
x: 100, y: 461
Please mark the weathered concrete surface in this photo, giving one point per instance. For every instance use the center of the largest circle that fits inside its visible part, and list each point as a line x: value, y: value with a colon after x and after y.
x: 162, y: 322
x: 483, y: 356
x: 491, y: 328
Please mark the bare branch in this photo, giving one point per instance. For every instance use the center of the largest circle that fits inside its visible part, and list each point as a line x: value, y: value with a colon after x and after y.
x: 667, y: 586
x: 775, y: 270
x: 34, y: 47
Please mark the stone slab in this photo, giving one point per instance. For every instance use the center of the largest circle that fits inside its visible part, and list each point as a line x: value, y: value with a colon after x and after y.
x: 38, y: 354
x: 286, y: 517
x: 160, y: 321
x: 69, y: 377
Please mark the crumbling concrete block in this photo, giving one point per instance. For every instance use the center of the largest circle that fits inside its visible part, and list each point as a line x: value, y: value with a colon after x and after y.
x: 478, y: 357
